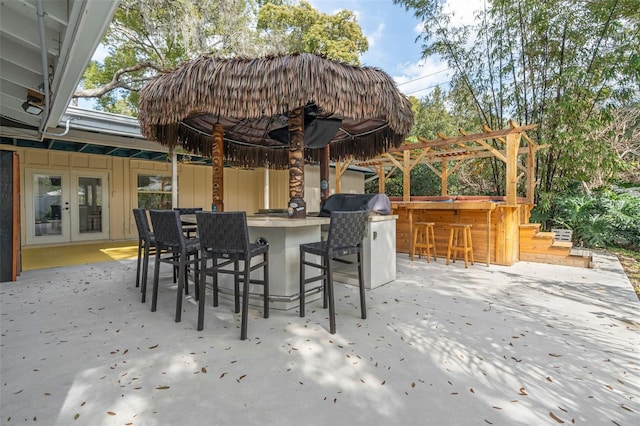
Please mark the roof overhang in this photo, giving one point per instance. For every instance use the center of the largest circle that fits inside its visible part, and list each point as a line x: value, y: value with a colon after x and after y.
x: 72, y: 31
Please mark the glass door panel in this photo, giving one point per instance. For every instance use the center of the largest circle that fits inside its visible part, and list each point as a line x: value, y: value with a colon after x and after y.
x: 90, y: 212
x: 66, y: 206
x: 47, y: 218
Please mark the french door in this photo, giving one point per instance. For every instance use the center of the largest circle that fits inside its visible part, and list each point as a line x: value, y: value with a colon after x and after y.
x: 64, y: 206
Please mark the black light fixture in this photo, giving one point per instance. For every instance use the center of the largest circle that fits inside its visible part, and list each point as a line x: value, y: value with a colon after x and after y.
x: 33, y: 104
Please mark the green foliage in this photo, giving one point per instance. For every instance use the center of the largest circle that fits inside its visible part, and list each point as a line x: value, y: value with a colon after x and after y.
x: 148, y: 37
x: 603, y: 219
x: 302, y: 28
x: 559, y: 63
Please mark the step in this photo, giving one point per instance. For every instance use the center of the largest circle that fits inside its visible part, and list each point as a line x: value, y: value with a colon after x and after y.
x: 568, y: 260
x: 545, y: 235
x: 562, y: 244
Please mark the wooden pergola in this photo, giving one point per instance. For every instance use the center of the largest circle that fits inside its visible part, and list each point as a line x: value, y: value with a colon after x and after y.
x: 496, y: 220
x: 451, y: 152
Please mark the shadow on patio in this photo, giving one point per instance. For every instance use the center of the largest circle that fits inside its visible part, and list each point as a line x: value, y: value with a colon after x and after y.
x: 526, y: 344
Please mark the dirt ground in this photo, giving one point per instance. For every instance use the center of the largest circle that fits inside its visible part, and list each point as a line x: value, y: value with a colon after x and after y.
x: 631, y: 263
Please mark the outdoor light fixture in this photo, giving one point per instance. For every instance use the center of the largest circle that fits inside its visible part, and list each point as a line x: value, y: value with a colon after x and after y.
x: 33, y: 104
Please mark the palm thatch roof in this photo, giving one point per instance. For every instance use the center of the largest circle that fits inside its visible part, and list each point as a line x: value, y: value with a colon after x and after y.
x: 251, y: 99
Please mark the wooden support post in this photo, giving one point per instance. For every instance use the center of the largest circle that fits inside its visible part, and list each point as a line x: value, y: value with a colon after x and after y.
x: 297, y: 207
x: 444, y: 177
x: 381, y: 179
x: 531, y: 178
x: 513, y: 140
x: 340, y: 169
x: 217, y: 162
x: 406, y: 176
x: 324, y: 173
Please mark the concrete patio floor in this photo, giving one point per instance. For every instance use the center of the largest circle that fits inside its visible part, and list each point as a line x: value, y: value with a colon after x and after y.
x: 528, y: 344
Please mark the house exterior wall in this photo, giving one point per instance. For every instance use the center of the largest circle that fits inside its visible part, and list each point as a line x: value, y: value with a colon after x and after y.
x: 243, y: 189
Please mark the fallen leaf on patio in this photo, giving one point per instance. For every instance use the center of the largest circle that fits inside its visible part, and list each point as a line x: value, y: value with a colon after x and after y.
x: 204, y: 370
x: 556, y: 418
x: 162, y: 387
x: 522, y: 392
x: 153, y: 347
x: 111, y: 413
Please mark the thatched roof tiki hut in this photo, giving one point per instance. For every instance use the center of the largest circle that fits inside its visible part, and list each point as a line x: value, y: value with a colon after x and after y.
x: 275, y: 112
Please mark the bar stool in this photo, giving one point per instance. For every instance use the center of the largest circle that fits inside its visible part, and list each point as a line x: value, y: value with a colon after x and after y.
x: 454, y: 242
x: 423, y: 240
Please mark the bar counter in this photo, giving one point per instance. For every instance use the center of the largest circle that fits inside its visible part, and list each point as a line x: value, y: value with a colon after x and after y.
x: 494, y: 230
x: 285, y: 236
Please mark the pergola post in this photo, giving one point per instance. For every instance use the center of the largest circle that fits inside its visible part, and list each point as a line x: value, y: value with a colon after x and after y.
x: 297, y: 207
x: 513, y: 142
x: 381, y: 179
x: 406, y: 176
x: 444, y: 177
x: 531, y: 179
x: 324, y: 173
x: 217, y: 162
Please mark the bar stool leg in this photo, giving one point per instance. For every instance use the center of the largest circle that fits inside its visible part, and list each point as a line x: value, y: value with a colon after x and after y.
x: 451, y: 232
x: 466, y: 251
x: 433, y: 241
x: 470, y: 245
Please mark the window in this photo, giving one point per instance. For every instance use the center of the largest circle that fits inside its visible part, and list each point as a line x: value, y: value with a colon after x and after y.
x: 154, y: 192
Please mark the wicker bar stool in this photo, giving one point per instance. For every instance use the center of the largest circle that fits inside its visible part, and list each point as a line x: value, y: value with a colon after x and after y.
x: 423, y: 240
x: 455, y: 245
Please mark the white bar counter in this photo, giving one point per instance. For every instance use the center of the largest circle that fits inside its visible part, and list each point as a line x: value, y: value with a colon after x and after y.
x: 285, y: 236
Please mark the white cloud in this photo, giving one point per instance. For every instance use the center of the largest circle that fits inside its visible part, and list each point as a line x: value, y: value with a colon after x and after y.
x: 462, y: 10
x: 419, y: 78
x: 100, y: 53
x: 376, y: 35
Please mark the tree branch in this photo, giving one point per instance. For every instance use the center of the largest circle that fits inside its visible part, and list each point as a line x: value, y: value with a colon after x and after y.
x: 117, y: 82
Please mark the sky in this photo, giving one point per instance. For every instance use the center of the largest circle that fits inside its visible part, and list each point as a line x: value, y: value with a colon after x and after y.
x: 392, y: 32
x: 393, y: 46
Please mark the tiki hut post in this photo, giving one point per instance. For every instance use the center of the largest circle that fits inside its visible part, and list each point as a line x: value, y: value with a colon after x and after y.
x: 324, y: 173
x: 217, y: 162
x: 174, y: 177
x: 297, y: 206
